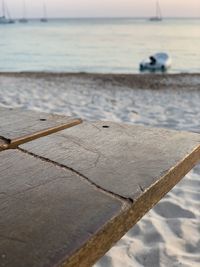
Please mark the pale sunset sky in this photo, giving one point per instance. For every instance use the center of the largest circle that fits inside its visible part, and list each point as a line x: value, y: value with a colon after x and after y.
x: 105, y: 8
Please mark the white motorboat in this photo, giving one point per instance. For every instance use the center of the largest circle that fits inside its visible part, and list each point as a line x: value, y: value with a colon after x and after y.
x: 156, y: 62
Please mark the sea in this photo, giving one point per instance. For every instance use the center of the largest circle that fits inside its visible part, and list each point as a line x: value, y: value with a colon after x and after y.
x: 103, y: 45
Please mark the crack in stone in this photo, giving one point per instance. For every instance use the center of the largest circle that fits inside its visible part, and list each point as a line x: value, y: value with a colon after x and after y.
x: 99, y: 129
x: 141, y: 188
x: 127, y: 201
x: 12, y: 239
x: 79, y: 143
x: 31, y: 187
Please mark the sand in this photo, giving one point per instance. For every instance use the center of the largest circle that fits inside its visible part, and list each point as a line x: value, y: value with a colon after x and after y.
x: 169, y: 235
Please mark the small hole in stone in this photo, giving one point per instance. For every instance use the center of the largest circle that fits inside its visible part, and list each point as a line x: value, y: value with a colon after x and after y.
x: 43, y: 119
x: 105, y: 126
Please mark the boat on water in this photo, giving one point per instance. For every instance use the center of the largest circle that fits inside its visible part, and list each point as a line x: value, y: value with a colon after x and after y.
x: 44, y: 18
x: 5, y: 17
x: 24, y: 17
x: 4, y: 20
x: 156, y: 62
x: 23, y: 20
x: 158, y: 16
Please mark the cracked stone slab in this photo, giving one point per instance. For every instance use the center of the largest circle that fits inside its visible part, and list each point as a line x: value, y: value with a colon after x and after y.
x: 18, y: 126
x: 126, y: 160
x: 50, y: 216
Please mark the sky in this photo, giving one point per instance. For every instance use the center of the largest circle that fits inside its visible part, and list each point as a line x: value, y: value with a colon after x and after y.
x: 104, y: 8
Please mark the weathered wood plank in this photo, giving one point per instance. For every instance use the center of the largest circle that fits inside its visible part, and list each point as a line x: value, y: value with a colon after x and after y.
x: 48, y: 213
x: 122, y: 159
x: 17, y: 126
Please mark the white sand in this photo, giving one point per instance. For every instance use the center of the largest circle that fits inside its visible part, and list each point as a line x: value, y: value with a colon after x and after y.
x: 169, y: 235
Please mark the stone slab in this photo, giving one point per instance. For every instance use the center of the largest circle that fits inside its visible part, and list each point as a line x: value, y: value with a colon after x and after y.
x: 49, y: 215
x: 18, y: 126
x: 123, y: 159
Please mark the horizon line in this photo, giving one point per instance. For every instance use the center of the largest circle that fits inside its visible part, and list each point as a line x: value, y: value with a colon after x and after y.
x: 111, y: 17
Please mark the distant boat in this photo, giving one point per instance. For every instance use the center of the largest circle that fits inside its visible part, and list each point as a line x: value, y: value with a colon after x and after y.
x: 24, y: 19
x: 158, y: 16
x: 44, y: 18
x: 156, y: 62
x: 3, y: 18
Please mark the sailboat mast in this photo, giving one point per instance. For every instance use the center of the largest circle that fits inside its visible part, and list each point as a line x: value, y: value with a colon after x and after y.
x: 44, y: 18
x: 44, y: 11
x: 3, y: 9
x: 158, y: 15
x: 5, y: 18
x: 24, y: 9
x: 158, y: 11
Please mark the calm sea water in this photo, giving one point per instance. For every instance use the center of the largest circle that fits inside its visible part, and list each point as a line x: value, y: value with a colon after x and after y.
x: 98, y: 45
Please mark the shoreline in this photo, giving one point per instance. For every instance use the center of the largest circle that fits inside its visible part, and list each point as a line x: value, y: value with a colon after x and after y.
x: 155, y: 81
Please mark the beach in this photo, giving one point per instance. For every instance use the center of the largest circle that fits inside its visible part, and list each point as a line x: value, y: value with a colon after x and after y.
x: 169, y: 235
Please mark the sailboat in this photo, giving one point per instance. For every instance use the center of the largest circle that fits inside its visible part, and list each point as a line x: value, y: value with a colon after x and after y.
x: 44, y: 18
x: 3, y: 18
x: 158, y: 16
x: 24, y: 19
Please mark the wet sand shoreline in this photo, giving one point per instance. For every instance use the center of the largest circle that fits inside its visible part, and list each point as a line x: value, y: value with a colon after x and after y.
x: 183, y: 81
